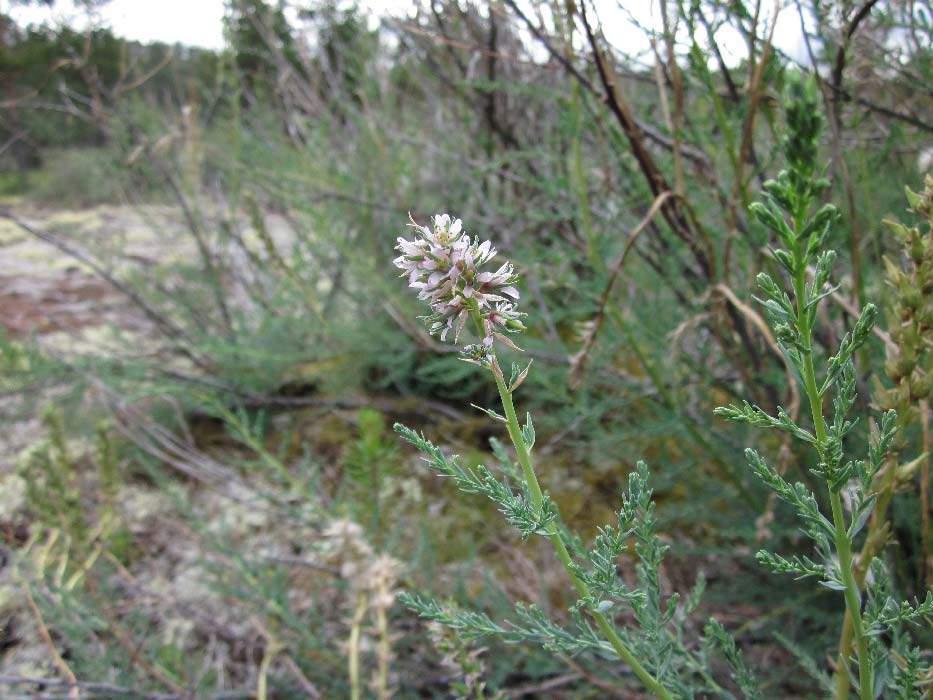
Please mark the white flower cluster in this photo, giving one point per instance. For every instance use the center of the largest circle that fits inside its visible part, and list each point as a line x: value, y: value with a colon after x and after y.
x: 443, y: 264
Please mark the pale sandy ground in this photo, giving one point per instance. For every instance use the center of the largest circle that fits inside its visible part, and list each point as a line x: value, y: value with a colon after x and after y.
x: 48, y: 295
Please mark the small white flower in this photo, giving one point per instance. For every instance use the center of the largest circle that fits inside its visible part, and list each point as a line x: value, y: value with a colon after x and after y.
x: 504, y: 317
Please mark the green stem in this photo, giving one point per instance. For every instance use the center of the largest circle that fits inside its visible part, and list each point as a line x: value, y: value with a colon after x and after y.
x: 537, y: 498
x: 842, y: 540
x: 853, y: 602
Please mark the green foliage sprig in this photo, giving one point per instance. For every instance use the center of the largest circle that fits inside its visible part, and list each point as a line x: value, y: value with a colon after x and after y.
x: 788, y: 211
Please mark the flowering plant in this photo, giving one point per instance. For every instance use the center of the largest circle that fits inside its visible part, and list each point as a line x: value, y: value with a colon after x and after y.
x: 446, y: 265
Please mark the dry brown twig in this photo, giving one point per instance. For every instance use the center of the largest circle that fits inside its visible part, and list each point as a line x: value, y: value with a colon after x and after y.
x: 73, y: 686
x: 754, y: 93
x: 578, y: 360
x: 758, y: 322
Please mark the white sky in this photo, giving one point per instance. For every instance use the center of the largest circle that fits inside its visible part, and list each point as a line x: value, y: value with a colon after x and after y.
x: 192, y: 22
x: 200, y: 22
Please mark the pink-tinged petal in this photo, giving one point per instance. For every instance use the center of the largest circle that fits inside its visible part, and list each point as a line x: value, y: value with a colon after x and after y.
x: 511, y: 291
x: 468, y: 291
x: 461, y: 322
x: 456, y: 227
x: 507, y: 341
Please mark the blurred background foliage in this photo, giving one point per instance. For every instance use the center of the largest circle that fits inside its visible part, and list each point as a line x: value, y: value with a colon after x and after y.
x: 203, y: 339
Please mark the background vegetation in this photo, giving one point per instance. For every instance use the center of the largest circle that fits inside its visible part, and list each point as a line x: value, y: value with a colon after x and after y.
x: 204, y: 341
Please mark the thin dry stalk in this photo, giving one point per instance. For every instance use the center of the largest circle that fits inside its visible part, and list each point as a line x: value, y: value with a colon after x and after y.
x: 578, y: 360
x: 754, y: 92
x: 384, y: 649
x: 925, y: 573
x: 306, y: 685
x: 793, y: 404
x: 353, y: 645
x: 74, y: 692
x: 834, y: 99
x: 272, y: 649
x: 675, y: 118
